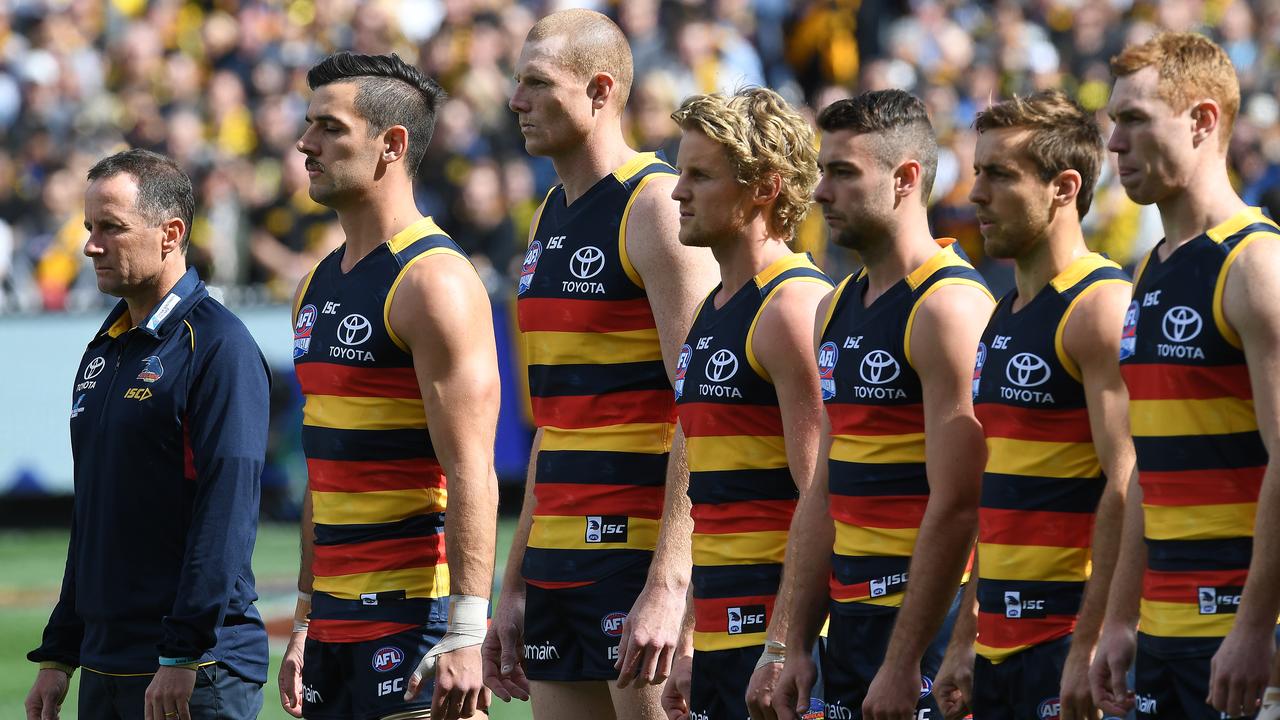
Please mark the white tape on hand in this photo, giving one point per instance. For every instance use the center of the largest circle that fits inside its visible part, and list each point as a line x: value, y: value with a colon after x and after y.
x: 774, y: 652
x: 468, y: 621
x: 1270, y: 704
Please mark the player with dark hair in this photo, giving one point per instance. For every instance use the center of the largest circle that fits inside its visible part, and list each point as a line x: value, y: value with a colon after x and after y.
x: 1197, y: 585
x: 895, y: 357
x: 395, y: 353
x: 1054, y: 410
x: 168, y: 438
x: 595, y: 583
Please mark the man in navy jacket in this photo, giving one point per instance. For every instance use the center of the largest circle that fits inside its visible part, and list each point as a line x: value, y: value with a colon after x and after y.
x: 168, y: 432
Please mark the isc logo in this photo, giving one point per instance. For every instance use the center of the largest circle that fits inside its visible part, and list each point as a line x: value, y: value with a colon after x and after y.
x: 394, y: 685
x: 387, y: 658
x: 611, y: 624
x: 138, y: 394
x: 606, y: 529
x: 747, y: 619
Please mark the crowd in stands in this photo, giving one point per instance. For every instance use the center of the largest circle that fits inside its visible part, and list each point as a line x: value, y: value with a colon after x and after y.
x: 220, y: 85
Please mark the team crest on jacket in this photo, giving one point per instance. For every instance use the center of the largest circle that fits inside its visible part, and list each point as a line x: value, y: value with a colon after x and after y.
x: 152, y: 370
x: 682, y: 368
x: 302, y: 330
x: 827, y: 355
x: 529, y: 266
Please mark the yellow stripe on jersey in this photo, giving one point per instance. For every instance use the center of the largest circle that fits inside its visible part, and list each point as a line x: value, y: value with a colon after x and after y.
x: 1038, y: 458
x: 891, y: 600
x: 712, y: 641
x: 748, y: 548
x: 1199, y: 522
x: 878, y: 449
x: 1059, y: 335
x: 416, y: 231
x: 382, y: 506
x: 650, y: 438
x: 857, y: 541
x: 591, y: 348
x: 1033, y: 562
x: 623, y: 174
x: 424, y: 582
x: 1219, y: 314
x: 1167, y: 619
x: 364, y: 413
x: 569, y: 532
x: 997, y: 655
x: 736, y: 452
x: 915, y: 307
x: 832, y: 301
x: 1172, y: 418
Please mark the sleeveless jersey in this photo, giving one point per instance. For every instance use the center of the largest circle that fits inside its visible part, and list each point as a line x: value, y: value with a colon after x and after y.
x: 1200, y: 456
x: 377, y: 491
x: 1043, y: 478
x: 597, y: 384
x: 740, y: 484
x: 877, y: 483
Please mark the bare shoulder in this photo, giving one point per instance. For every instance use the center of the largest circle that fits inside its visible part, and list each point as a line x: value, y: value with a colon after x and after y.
x: 1094, y: 327
x: 948, y: 324
x: 441, y: 291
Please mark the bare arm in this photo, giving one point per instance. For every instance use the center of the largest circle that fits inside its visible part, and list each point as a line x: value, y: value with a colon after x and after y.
x: 1251, y: 303
x: 1092, y: 339
x: 944, y: 343
x: 1117, y: 642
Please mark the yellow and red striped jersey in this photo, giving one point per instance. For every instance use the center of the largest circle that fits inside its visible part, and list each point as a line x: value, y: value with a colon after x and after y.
x: 1043, y: 479
x: 378, y: 493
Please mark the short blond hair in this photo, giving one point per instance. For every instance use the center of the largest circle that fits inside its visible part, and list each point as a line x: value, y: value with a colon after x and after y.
x: 593, y: 44
x: 762, y: 134
x: 1190, y: 66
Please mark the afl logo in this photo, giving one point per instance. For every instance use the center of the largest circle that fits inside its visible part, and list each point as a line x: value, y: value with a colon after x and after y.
x: 354, y: 330
x: 1049, y: 709
x: 94, y: 368
x: 587, y: 262
x: 1181, y: 324
x: 387, y: 658
x: 879, y: 367
x: 529, y: 266
x: 682, y: 368
x: 1027, y: 370
x: 827, y: 355
x: 1129, y: 336
x: 611, y: 624
x: 721, y: 366
x: 977, y: 367
x: 926, y: 685
x: 306, y: 321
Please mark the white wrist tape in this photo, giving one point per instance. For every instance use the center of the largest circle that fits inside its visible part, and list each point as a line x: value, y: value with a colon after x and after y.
x: 1270, y: 704
x: 774, y: 652
x: 468, y: 621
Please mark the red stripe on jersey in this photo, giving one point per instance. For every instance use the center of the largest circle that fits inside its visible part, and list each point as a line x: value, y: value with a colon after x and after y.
x: 1001, y: 632
x: 711, y: 614
x: 618, y: 408
x: 1037, y: 424
x: 320, y: 378
x: 879, y: 511
x: 720, y: 420
x: 744, y: 516
x: 1180, y: 587
x: 840, y: 591
x: 379, y: 556
x: 346, y: 631
x: 599, y: 316
x: 1035, y: 527
x: 551, y: 585
x: 373, y: 475
x: 867, y: 420
x: 1186, y: 382
x: 582, y: 499
x: 1220, y: 486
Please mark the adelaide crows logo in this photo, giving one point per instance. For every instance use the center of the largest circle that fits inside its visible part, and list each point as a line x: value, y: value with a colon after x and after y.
x: 152, y: 370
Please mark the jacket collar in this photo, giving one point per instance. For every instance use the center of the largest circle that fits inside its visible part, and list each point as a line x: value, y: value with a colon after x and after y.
x: 167, y: 313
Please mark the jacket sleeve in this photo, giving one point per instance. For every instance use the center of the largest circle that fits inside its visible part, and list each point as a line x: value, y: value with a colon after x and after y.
x: 227, y: 413
x: 65, y: 631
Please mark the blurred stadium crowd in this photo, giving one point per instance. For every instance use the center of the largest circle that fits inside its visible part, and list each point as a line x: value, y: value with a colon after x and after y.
x: 220, y: 86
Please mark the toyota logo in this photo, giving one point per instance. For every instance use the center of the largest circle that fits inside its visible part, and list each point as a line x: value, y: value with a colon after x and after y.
x: 1181, y: 324
x: 354, y: 330
x: 587, y: 262
x: 879, y: 367
x: 1027, y: 370
x: 721, y: 366
x: 94, y: 368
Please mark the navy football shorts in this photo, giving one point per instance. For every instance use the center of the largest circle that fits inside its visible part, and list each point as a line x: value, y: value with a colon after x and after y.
x: 367, y: 680
x: 572, y: 634
x: 719, y: 685
x: 1169, y: 683
x: 1025, y: 685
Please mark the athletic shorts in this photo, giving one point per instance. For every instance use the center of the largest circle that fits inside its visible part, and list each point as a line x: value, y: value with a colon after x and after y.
x: 1024, y: 685
x: 572, y: 634
x: 719, y: 685
x: 367, y: 680
x: 1169, y: 684
x: 855, y: 648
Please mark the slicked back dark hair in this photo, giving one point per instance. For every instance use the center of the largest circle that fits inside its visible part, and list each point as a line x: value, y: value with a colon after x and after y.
x: 390, y: 92
x: 899, y: 119
x: 164, y: 190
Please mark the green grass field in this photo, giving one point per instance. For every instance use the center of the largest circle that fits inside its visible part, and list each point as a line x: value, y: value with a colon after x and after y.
x: 31, y: 566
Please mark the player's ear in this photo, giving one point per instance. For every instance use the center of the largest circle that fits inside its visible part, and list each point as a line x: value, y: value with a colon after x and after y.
x: 395, y: 143
x: 1205, y: 117
x: 1066, y: 186
x: 172, y: 231
x: 907, y: 177
x: 601, y: 87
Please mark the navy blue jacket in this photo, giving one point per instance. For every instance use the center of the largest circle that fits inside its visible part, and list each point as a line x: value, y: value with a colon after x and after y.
x: 169, y: 436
